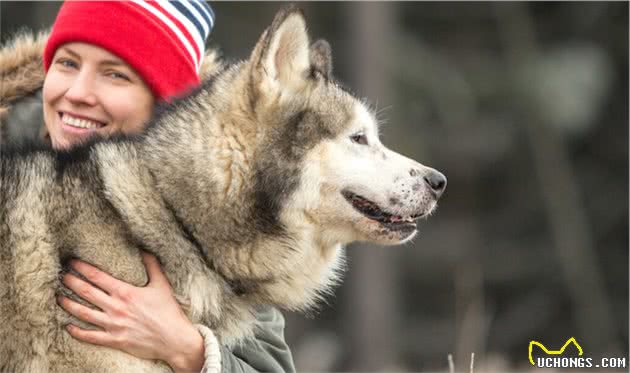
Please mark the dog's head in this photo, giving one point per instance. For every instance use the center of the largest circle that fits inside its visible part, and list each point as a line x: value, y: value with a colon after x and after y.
x: 321, y: 160
x: 288, y: 166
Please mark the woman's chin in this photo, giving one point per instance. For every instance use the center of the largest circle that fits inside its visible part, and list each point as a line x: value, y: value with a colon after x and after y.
x: 71, y: 136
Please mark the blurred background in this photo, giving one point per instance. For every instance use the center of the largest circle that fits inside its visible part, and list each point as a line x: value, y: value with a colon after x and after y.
x: 524, y: 107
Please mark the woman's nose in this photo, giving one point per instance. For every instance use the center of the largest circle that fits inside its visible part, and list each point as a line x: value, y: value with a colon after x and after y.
x: 82, y: 89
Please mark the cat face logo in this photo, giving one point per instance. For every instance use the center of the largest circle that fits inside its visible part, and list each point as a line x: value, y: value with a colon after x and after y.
x: 553, y: 352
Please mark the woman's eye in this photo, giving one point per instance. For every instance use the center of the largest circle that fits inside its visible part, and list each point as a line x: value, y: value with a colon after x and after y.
x: 67, y: 63
x: 359, y: 138
x: 117, y: 75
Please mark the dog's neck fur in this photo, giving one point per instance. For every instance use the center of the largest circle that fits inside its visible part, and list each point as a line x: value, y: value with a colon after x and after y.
x: 223, y: 147
x: 220, y: 149
x: 225, y: 179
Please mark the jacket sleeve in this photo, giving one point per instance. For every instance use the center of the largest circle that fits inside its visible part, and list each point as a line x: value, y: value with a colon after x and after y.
x: 266, y: 352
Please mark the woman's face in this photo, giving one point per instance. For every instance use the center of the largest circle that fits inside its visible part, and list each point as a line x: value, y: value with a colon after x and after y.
x: 89, y: 91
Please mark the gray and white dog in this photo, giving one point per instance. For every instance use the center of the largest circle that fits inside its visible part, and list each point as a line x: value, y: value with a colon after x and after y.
x: 246, y: 190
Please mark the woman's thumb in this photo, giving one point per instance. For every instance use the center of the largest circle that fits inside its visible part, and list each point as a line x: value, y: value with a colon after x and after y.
x: 156, y: 276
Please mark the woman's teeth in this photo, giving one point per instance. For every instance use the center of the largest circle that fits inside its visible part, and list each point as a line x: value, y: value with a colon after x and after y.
x: 80, y: 123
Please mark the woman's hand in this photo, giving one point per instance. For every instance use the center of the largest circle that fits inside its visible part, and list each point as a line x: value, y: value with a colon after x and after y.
x: 144, y: 321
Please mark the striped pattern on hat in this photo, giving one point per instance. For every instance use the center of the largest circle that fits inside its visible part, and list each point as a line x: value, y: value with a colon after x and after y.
x: 190, y: 20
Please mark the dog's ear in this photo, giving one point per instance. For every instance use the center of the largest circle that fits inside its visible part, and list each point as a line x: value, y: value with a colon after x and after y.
x: 321, y: 59
x: 281, y: 59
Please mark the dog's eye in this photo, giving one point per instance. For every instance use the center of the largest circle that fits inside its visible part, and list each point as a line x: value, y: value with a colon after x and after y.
x: 359, y: 138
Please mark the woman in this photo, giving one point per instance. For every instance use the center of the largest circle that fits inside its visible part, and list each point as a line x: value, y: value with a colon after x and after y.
x: 107, y: 64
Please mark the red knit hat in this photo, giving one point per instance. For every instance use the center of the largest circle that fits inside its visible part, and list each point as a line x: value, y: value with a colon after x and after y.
x: 163, y: 41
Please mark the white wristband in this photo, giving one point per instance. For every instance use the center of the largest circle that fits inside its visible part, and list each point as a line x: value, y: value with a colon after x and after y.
x: 212, y: 353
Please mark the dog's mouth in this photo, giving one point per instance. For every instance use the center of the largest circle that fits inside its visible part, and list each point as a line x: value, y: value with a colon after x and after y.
x: 372, y: 211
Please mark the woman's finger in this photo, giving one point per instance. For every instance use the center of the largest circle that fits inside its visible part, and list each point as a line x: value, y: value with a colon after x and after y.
x: 101, y: 279
x: 156, y: 276
x: 87, y: 291
x: 82, y: 312
x: 97, y: 337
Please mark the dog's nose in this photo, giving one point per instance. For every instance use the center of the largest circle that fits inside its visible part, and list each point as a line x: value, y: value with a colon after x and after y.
x: 437, y: 182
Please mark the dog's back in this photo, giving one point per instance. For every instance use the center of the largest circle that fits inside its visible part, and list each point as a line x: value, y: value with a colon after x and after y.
x: 51, y: 211
x: 29, y: 271
x: 25, y: 312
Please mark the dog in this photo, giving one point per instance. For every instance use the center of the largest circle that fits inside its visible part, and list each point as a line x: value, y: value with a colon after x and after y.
x: 246, y: 190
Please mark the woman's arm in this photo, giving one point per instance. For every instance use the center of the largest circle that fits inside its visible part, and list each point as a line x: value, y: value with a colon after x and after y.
x: 148, y: 322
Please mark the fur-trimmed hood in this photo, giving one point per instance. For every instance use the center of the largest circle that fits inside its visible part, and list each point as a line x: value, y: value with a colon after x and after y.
x: 21, y: 68
x: 22, y: 71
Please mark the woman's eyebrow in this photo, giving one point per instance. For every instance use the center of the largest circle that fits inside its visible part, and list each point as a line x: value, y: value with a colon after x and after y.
x: 103, y: 62
x: 71, y: 52
x: 112, y: 63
